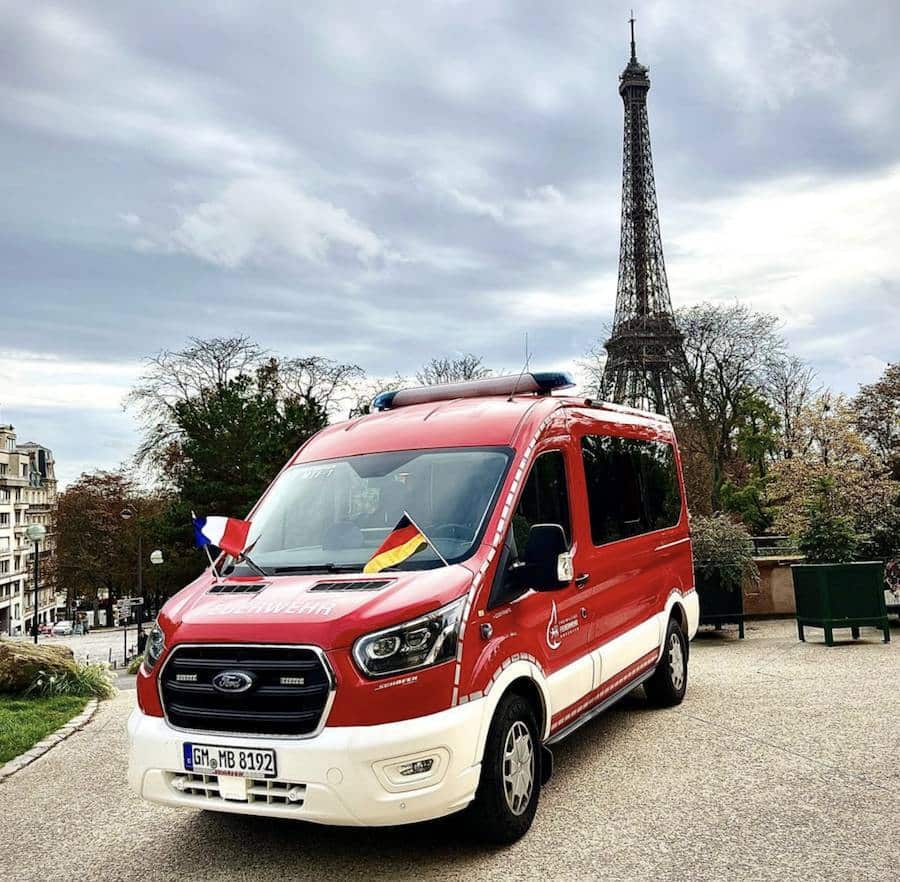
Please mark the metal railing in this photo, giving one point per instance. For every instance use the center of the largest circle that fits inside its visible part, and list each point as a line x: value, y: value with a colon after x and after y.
x: 775, y: 546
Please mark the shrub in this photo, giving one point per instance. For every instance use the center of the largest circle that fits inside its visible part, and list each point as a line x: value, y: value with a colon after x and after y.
x: 135, y: 664
x: 723, y: 549
x: 829, y: 537
x: 88, y: 680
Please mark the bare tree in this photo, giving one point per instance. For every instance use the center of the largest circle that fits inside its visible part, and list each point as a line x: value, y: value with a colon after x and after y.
x: 728, y: 350
x: 592, y: 364
x: 187, y: 379
x: 453, y: 370
x: 185, y: 376
x: 365, y: 390
x: 328, y: 383
x: 789, y: 388
x: 877, y: 407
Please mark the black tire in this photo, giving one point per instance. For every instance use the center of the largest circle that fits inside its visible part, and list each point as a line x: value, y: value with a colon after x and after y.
x: 665, y: 688
x: 494, y: 816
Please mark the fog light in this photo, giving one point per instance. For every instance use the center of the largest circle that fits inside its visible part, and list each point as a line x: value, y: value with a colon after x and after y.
x: 418, y: 767
x: 413, y: 771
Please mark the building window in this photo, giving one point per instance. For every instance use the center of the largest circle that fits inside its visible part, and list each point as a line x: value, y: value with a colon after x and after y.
x: 4, y: 518
x: 4, y: 566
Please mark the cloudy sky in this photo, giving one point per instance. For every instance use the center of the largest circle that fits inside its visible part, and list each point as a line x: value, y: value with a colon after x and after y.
x: 383, y: 182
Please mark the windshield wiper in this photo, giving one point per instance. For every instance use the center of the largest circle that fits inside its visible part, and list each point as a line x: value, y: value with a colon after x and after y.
x: 317, y: 568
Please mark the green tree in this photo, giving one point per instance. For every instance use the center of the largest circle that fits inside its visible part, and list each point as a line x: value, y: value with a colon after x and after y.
x: 831, y: 452
x: 221, y: 418
x: 96, y: 547
x: 756, y: 442
x: 236, y: 439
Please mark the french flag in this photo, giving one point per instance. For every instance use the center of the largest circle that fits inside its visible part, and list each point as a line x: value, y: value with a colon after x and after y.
x: 229, y: 534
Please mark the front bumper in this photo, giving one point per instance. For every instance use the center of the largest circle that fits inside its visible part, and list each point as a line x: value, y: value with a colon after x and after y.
x: 338, y: 777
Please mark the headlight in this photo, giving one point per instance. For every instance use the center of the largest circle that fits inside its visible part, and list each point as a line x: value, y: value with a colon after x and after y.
x: 425, y: 641
x: 156, y: 643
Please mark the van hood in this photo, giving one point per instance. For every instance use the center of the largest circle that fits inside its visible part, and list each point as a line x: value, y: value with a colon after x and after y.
x: 325, y: 610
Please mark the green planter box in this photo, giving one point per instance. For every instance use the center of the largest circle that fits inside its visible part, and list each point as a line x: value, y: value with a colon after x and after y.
x: 846, y: 595
x: 718, y: 606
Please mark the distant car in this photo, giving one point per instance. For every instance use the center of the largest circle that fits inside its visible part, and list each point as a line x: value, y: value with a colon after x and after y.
x: 43, y: 629
x: 62, y: 629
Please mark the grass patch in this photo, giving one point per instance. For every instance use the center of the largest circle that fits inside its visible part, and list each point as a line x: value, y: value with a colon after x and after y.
x: 25, y: 721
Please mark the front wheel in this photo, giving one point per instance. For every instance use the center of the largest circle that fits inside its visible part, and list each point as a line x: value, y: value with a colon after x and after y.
x: 668, y: 684
x: 507, y: 796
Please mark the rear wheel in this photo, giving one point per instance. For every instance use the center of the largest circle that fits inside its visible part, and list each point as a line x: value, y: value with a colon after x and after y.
x: 507, y: 796
x: 668, y: 684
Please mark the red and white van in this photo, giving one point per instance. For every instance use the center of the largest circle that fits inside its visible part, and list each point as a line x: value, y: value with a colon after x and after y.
x: 558, y: 578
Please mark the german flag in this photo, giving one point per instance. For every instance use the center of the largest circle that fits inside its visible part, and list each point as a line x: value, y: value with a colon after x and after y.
x: 402, y: 543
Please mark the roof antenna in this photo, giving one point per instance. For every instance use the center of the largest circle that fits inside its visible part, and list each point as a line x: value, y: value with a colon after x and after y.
x: 631, y: 22
x: 524, y: 369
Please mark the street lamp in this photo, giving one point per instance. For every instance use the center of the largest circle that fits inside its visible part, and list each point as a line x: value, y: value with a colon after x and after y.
x: 156, y: 558
x: 36, y: 532
x: 127, y: 514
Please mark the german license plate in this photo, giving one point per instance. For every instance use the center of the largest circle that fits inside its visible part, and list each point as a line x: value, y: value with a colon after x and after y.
x: 243, y: 762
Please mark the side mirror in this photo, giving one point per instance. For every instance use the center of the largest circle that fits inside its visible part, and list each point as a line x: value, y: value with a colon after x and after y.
x: 546, y: 562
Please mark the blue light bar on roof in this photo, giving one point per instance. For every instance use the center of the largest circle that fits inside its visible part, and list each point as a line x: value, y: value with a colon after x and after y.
x: 518, y: 384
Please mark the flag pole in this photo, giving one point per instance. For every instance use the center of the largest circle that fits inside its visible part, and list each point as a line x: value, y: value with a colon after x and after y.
x: 212, y: 564
x: 431, y: 544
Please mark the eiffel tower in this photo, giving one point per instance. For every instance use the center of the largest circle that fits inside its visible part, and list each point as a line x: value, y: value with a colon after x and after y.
x: 645, y: 348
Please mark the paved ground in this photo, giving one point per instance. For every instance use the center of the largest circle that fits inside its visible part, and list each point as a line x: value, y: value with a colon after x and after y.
x: 106, y: 645
x: 782, y: 763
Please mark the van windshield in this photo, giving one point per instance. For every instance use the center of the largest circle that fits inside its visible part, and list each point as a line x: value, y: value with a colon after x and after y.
x: 333, y: 515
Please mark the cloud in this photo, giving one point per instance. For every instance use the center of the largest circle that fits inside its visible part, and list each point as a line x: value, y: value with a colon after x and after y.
x: 34, y: 379
x: 257, y: 219
x: 315, y: 174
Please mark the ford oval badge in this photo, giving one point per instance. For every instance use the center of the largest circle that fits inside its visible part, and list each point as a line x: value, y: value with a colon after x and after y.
x: 232, y: 681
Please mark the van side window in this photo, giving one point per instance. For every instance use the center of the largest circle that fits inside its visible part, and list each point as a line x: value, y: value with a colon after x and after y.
x: 545, y: 498
x: 632, y: 486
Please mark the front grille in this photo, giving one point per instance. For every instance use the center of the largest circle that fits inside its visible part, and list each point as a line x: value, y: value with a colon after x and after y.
x: 288, y: 696
x: 359, y: 585
x: 238, y: 587
x: 261, y: 790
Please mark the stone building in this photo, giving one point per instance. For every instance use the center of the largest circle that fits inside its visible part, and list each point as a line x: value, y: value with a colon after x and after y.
x: 27, y: 496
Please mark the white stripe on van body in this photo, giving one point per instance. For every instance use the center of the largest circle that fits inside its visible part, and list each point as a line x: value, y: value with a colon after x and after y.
x: 570, y: 684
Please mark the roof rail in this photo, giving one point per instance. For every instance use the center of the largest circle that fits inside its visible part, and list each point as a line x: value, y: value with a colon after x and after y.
x: 530, y: 383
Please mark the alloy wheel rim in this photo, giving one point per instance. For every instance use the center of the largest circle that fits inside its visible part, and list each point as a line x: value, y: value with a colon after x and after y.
x: 676, y: 662
x: 518, y: 767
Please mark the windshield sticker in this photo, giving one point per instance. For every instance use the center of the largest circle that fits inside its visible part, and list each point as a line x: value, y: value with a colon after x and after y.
x: 312, y: 474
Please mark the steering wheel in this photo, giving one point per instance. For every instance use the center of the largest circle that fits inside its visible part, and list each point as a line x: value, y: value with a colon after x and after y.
x: 450, y: 531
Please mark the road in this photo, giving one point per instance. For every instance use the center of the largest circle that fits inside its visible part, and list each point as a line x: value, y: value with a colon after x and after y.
x: 105, y: 645
x: 782, y: 763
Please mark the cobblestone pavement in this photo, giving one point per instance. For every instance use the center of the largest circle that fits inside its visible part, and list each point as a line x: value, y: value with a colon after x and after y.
x: 782, y: 763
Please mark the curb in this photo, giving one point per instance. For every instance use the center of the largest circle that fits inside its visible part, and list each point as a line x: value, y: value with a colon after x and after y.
x: 39, y: 749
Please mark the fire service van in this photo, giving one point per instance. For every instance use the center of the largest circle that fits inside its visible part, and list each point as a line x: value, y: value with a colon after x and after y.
x: 434, y: 595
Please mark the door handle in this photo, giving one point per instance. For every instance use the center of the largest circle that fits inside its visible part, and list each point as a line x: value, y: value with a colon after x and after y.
x: 582, y: 579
